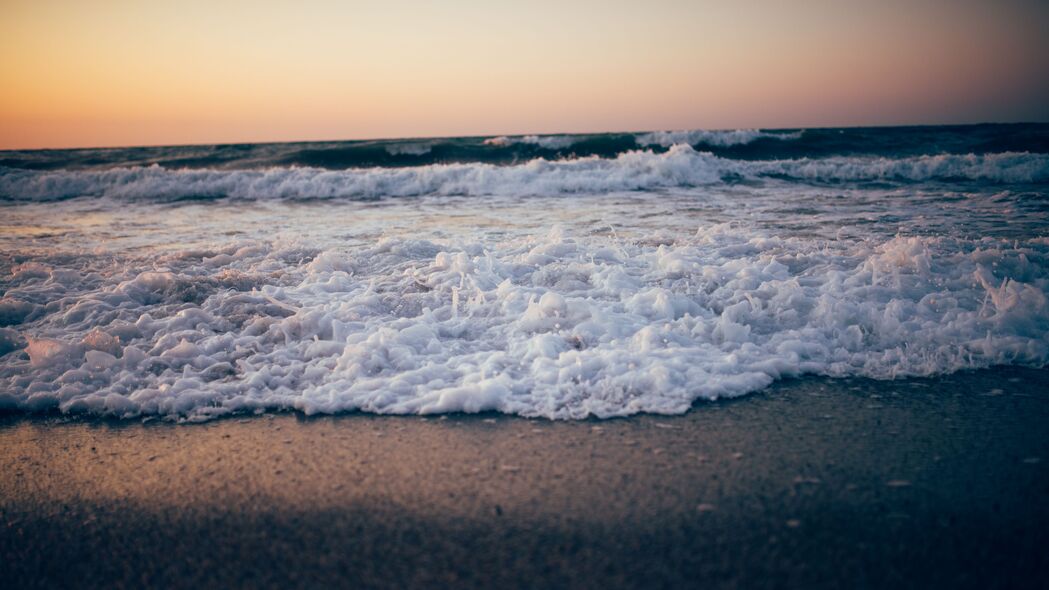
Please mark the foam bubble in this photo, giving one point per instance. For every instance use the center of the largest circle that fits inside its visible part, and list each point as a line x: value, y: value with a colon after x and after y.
x: 10, y: 340
x: 13, y: 311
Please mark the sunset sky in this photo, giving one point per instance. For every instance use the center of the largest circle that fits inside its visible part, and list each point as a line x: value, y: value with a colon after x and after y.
x: 115, y: 72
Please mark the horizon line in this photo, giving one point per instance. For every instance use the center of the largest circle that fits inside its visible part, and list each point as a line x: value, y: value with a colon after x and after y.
x: 537, y: 134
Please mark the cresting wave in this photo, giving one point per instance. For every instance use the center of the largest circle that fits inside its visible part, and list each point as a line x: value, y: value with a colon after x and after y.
x: 550, y: 326
x: 666, y: 139
x: 740, y: 144
x: 680, y: 166
x: 712, y: 138
x: 550, y: 142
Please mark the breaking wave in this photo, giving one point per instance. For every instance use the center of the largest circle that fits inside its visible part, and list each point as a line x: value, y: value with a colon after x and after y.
x: 549, y: 142
x: 699, y: 137
x: 680, y: 166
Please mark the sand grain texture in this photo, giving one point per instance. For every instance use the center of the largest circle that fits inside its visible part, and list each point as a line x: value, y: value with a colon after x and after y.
x: 812, y: 483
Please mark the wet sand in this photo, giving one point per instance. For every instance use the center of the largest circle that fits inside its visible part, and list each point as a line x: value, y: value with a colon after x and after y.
x: 812, y: 483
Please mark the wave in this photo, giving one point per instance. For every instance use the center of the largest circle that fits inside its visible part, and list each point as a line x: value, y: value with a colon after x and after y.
x: 408, y: 148
x: 992, y: 168
x: 741, y: 144
x: 699, y: 137
x: 549, y: 142
x: 679, y: 167
x: 545, y: 325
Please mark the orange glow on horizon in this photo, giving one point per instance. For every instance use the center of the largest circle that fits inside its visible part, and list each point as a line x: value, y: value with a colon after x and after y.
x: 116, y: 72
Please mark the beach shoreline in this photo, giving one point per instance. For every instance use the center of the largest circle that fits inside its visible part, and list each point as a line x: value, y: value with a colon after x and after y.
x: 810, y: 483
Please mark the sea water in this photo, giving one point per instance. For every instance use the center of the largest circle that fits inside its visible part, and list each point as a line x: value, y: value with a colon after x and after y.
x: 559, y: 276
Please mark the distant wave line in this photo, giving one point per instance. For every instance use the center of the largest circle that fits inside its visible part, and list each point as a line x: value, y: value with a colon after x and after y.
x: 680, y: 166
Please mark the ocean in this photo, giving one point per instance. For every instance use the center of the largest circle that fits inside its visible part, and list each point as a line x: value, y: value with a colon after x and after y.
x: 555, y: 276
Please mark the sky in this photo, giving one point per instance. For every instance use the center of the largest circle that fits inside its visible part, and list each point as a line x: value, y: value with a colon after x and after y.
x: 122, y: 72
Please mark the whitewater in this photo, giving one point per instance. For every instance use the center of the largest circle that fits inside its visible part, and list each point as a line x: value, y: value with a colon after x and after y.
x: 563, y: 277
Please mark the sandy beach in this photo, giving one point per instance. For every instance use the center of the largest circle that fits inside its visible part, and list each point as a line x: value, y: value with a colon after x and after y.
x: 811, y: 483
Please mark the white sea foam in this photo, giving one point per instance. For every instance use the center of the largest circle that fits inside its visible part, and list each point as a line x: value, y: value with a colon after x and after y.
x: 549, y: 142
x: 546, y: 325
x: 680, y: 166
x: 724, y: 138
